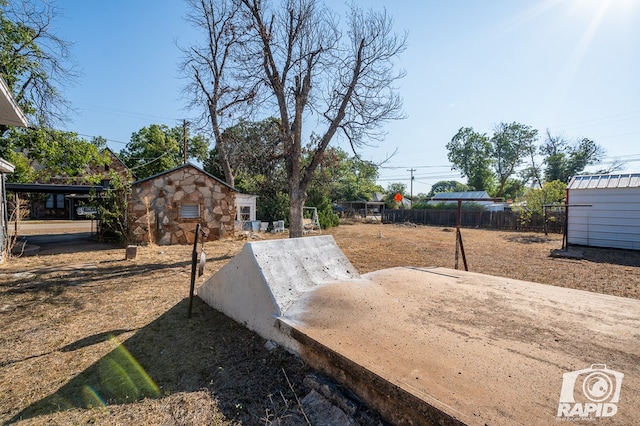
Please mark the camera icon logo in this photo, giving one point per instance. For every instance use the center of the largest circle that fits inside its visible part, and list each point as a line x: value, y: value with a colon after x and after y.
x: 591, y: 392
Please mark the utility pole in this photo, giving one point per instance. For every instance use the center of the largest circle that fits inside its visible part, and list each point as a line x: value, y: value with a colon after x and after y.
x: 185, y: 123
x: 411, y: 190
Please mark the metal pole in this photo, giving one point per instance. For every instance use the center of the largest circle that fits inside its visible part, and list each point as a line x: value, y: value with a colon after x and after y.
x: 194, y: 261
x: 17, y: 213
x: 184, y: 141
x: 458, y: 239
x: 464, y: 256
x: 411, y: 190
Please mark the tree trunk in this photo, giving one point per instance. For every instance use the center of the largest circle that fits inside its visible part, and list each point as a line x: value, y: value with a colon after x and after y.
x: 296, y: 204
x: 297, y: 188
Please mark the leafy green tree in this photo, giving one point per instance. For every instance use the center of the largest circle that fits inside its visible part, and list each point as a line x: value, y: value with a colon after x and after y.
x: 252, y: 148
x: 158, y: 148
x: 511, y: 144
x: 534, y: 199
x: 470, y: 154
x: 340, y: 178
x: 41, y: 155
x: 255, y: 160
x: 513, y: 189
x: 112, y: 208
x: 563, y: 160
x: 35, y: 62
x: 447, y: 186
x: 345, y: 178
x: 393, y: 189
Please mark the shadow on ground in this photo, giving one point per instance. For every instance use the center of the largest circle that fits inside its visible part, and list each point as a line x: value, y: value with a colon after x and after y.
x: 179, y: 354
x: 32, y: 245
x: 32, y: 281
x: 607, y: 255
x: 592, y: 254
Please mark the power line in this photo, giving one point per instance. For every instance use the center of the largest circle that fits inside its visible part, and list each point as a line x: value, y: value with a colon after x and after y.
x: 108, y: 140
x: 122, y: 113
x: 149, y: 162
x: 416, y: 167
x: 601, y: 120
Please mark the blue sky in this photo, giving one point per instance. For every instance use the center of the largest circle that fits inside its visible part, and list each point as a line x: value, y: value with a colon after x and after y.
x: 570, y: 66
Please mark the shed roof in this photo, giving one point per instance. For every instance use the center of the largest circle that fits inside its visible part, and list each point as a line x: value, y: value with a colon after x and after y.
x: 180, y: 167
x: 603, y: 181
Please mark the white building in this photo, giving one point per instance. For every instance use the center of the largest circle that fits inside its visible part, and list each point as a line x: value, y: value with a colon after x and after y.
x: 245, y: 210
x: 604, y: 211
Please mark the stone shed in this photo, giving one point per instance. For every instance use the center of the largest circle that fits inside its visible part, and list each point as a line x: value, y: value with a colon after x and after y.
x: 165, y: 208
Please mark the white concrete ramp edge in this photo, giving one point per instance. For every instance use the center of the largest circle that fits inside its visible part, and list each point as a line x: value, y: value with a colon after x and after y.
x: 260, y: 283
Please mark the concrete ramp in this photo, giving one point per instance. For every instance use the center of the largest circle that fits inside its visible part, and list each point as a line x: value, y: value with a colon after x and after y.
x: 261, y: 282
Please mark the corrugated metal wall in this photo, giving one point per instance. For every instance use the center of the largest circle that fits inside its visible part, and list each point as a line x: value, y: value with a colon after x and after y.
x: 611, y: 220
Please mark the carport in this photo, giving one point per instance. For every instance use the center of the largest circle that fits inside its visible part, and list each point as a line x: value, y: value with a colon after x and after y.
x: 70, y: 194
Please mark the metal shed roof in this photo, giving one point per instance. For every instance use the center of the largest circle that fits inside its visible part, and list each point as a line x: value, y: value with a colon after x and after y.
x: 465, y: 194
x: 615, y: 180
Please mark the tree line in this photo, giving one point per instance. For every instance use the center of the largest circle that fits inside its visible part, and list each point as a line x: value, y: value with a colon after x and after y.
x: 506, y: 162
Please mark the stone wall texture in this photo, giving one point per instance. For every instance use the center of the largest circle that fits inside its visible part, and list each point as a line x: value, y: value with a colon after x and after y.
x: 155, y: 205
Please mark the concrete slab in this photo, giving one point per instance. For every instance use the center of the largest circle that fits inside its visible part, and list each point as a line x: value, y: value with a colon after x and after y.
x: 445, y: 346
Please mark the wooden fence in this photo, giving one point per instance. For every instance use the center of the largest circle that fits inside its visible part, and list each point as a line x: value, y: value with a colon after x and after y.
x: 506, y: 220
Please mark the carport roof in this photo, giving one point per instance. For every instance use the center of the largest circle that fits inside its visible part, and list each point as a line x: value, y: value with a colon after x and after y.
x: 52, y: 188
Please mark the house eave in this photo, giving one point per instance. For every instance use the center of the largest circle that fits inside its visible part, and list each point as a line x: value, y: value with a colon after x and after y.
x: 5, y: 166
x: 10, y: 112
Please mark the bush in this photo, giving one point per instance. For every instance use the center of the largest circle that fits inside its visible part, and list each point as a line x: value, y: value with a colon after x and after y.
x: 327, y: 218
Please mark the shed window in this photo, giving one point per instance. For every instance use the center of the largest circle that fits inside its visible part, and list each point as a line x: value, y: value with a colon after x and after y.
x: 245, y: 213
x: 190, y: 211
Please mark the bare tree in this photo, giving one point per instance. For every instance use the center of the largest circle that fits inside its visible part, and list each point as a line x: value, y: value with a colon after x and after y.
x: 310, y: 70
x: 293, y: 58
x: 212, y: 67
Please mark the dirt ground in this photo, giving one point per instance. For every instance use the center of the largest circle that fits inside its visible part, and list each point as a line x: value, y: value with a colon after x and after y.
x: 89, y: 337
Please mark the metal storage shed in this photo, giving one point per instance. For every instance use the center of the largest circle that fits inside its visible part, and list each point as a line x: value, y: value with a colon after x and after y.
x: 604, y: 211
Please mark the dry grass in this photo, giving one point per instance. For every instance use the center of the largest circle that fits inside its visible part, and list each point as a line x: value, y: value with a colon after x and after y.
x: 91, y: 338
x: 523, y: 256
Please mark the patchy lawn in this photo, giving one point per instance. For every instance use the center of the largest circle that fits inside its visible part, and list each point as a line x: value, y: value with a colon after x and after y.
x: 88, y: 337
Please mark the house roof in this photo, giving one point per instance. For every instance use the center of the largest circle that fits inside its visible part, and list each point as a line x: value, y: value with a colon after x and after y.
x: 10, y: 112
x: 183, y: 166
x: 454, y: 196
x: 113, y: 155
x: 365, y: 202
x: 603, y: 181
